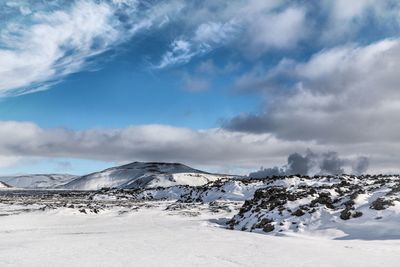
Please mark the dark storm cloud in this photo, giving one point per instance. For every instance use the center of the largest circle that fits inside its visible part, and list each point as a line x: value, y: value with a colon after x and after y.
x: 360, y: 165
x: 314, y: 163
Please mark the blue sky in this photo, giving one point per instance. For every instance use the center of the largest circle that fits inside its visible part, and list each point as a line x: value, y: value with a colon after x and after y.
x: 227, y: 86
x: 121, y: 94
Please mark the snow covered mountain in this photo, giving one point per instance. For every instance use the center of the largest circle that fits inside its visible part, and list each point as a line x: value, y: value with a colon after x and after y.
x: 37, y: 181
x: 4, y: 185
x: 144, y: 175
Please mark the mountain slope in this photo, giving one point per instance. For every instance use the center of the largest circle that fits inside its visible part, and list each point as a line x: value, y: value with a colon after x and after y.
x: 143, y: 175
x: 37, y: 181
x: 4, y: 185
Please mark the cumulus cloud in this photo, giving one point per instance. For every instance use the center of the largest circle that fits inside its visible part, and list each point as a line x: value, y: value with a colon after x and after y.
x: 345, y: 19
x: 277, y: 30
x: 213, y: 147
x: 327, y: 163
x: 40, y: 52
x: 346, y: 94
x: 343, y: 98
x: 59, y: 38
x: 210, y: 148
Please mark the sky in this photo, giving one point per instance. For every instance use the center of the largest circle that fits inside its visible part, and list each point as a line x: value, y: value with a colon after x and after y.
x: 226, y: 86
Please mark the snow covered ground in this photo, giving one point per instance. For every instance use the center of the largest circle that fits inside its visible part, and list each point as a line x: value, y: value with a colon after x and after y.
x: 150, y: 235
x: 281, y: 221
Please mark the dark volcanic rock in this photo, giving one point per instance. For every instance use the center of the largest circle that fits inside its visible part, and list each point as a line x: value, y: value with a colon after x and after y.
x: 298, y: 213
x: 381, y: 204
x: 292, y: 201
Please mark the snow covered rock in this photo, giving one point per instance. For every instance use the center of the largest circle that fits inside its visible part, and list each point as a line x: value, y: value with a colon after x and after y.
x: 144, y: 175
x: 349, y: 205
x: 223, y: 189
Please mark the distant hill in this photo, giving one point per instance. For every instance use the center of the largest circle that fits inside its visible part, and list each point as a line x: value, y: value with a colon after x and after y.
x: 4, y: 185
x: 144, y: 175
x: 37, y: 181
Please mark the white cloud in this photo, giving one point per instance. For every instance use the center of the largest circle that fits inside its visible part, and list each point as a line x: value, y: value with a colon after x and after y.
x: 181, y: 51
x: 41, y: 52
x: 212, y: 147
x: 346, y: 18
x: 207, y: 37
x: 348, y: 10
x: 209, y: 148
x: 342, y: 96
x: 346, y: 96
x: 54, y: 43
x: 277, y: 30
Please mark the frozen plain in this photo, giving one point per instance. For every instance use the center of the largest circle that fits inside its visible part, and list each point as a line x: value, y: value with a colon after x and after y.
x: 153, y: 236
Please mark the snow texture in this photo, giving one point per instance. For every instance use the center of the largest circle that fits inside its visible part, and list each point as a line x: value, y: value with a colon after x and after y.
x: 153, y: 236
x: 282, y: 221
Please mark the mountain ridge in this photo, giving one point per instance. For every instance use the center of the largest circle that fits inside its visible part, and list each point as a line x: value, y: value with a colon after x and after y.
x: 37, y: 181
x: 137, y: 175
